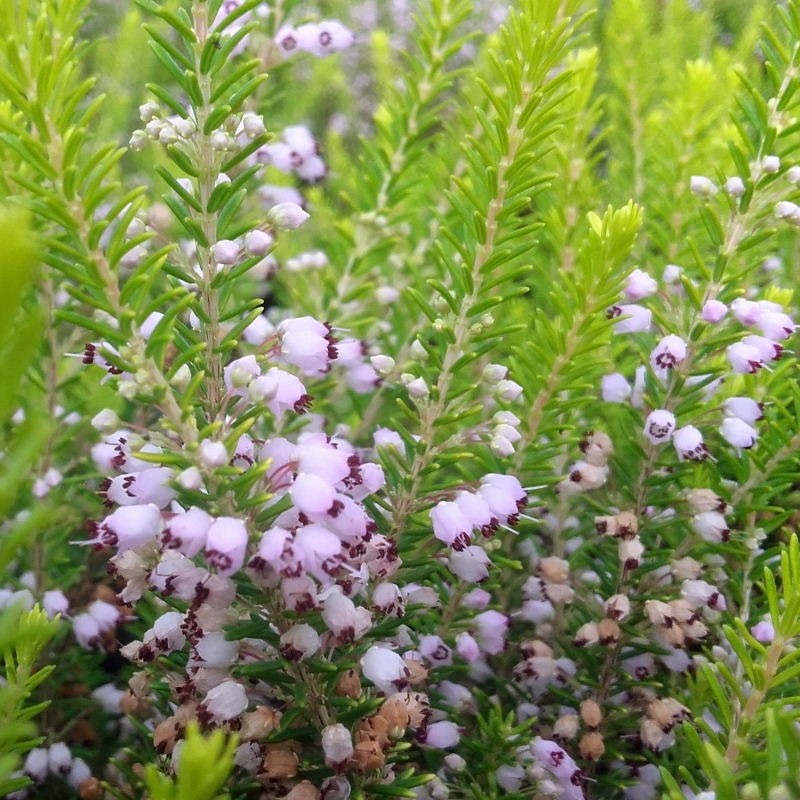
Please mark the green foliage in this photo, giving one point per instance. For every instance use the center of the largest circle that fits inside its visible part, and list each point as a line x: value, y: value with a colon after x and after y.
x: 204, y: 766
x: 23, y: 637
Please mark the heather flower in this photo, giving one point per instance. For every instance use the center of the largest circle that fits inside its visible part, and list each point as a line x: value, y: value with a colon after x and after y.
x: 738, y: 432
x: 451, y: 525
x: 55, y: 602
x: 669, y: 351
x: 711, y: 526
x: 385, y: 668
x: 763, y: 631
x: 471, y: 564
x: 223, y: 702
x: 701, y: 186
x: 633, y: 318
x: 659, y: 426
x: 337, y: 744
x: 59, y: 759
x: 714, y: 311
x: 36, y: 764
x: 640, y: 285
x: 746, y: 311
x: 776, y: 325
x: 767, y: 349
x: 104, y: 614
x: 226, y: 545
x: 129, y: 527
x: 343, y: 618
x: 226, y: 252
x: 287, y: 216
x: 441, y: 735
x: 615, y: 388
x: 688, y: 442
x: 743, y: 408
x: 491, y: 633
x: 299, y: 642
x: 281, y: 392
x: 744, y: 358
x: 507, y: 391
x: 735, y: 186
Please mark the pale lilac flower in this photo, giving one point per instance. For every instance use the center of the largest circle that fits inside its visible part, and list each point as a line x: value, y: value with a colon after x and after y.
x: 187, y: 532
x: 509, y: 778
x: 738, y: 432
x: 337, y: 744
x: 388, y: 599
x: 711, y: 526
x: 776, y: 325
x: 467, y: 647
x: 767, y: 349
x: 688, y: 442
x: 59, y: 759
x: 671, y: 274
x: 735, y: 187
x: 615, y: 388
x: 441, y: 735
x: 668, y: 352
x: 471, y: 564
x: 659, y: 426
x: 636, y: 318
x: 55, y: 602
x: 343, y: 618
x: 87, y: 631
x: 226, y: 252
x: 223, y: 702
x: 491, y: 633
x: 432, y: 648
x: 702, y: 593
x: 213, y: 454
x: 507, y: 391
x: 333, y: 37
x: 104, y: 614
x: 701, y: 186
x: 639, y: 385
x: 640, y: 285
x: 226, y: 545
x: 299, y: 642
x: 239, y: 373
x: 746, y: 311
x: 385, y: 668
x: 714, y: 312
x: 36, y: 764
x: 129, y: 527
x: 168, y: 635
x: 476, y: 599
x: 557, y: 761
x: 305, y: 347
x: 763, y: 631
x: 770, y: 164
x: 287, y: 216
x: 281, y: 392
x: 311, y: 494
x: 451, y: 525
x: 743, y: 408
x: 744, y: 358
x: 78, y: 773
x: 417, y: 388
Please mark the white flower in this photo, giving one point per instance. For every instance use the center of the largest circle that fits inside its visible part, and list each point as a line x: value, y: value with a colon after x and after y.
x: 738, y: 432
x: 223, y: 702
x: 337, y: 744
x: 287, y: 216
x: 659, y: 426
x: 701, y: 186
x: 711, y: 526
x: 226, y: 252
x: 417, y: 388
x: 385, y: 668
x: 615, y: 388
x: 770, y: 164
x: 744, y: 408
x: 688, y: 442
x: 668, y: 352
x: 59, y: 759
x: 639, y: 285
x: 299, y: 642
x: 735, y: 186
x: 744, y: 358
x: 633, y: 318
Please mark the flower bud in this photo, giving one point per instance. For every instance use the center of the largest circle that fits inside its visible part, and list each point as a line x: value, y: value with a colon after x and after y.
x: 770, y: 164
x: 287, y: 216
x: 253, y: 125
x: 713, y: 311
x: 615, y: 388
x: 226, y: 252
x: 383, y: 365
x: 258, y: 243
x: 701, y: 186
x: 337, y: 744
x: 735, y: 186
x: 417, y: 388
x: 213, y: 454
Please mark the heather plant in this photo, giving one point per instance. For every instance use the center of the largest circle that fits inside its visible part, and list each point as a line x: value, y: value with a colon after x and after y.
x: 400, y: 399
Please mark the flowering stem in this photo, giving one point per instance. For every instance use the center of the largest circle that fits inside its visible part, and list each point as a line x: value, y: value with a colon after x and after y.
x: 209, y: 172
